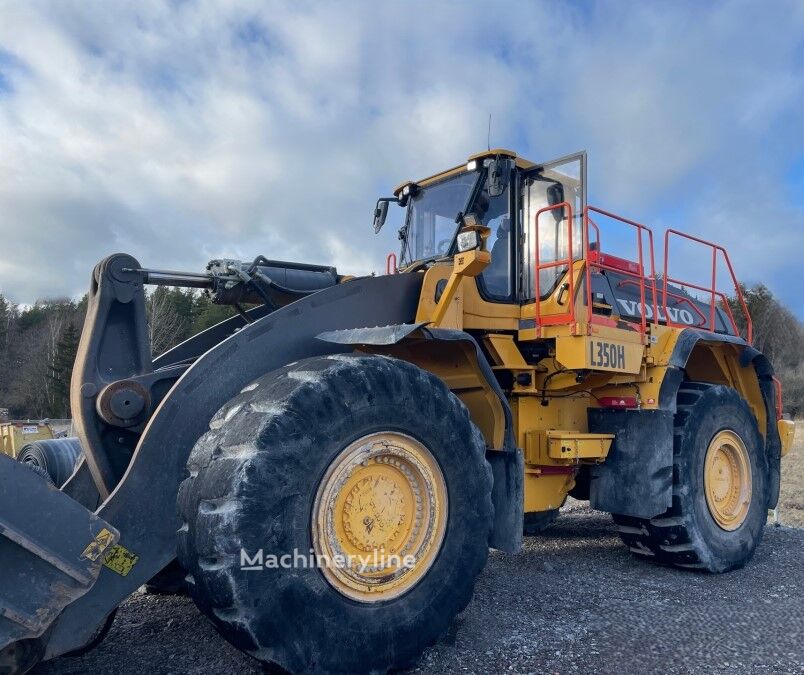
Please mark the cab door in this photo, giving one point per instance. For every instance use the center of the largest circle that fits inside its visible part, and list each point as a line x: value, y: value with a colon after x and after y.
x: 552, y: 203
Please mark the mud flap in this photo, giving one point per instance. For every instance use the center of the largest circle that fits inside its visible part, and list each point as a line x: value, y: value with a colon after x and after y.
x: 507, y: 495
x: 51, y: 549
x: 637, y: 477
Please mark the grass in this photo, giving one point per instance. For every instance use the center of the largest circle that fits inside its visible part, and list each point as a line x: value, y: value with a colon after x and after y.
x: 791, y: 499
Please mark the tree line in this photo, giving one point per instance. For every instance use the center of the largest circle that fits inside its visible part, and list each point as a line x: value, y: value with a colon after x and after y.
x: 780, y: 336
x: 38, y: 343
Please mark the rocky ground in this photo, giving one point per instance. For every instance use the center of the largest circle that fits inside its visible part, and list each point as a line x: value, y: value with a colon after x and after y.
x: 574, y: 601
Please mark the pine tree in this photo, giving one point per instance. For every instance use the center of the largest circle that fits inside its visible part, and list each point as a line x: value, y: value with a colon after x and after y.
x: 206, y: 314
x: 61, y: 371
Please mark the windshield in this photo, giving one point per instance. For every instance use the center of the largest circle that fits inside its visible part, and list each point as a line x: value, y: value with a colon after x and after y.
x: 431, y: 226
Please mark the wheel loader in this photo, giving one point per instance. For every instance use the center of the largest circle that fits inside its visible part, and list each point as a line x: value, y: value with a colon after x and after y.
x: 331, y: 465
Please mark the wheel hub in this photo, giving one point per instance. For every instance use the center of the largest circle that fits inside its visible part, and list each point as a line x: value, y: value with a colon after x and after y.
x: 379, y: 516
x: 727, y: 480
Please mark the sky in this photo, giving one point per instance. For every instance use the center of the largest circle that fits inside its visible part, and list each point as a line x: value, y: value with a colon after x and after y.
x: 189, y: 130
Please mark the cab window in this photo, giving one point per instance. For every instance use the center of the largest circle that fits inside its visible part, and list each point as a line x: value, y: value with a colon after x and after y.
x: 551, y: 186
x: 493, y: 212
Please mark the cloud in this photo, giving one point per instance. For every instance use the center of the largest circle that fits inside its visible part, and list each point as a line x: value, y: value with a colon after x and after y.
x: 189, y: 130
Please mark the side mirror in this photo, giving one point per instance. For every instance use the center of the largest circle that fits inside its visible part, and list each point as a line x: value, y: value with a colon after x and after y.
x: 555, y: 194
x: 497, y: 176
x: 380, y: 213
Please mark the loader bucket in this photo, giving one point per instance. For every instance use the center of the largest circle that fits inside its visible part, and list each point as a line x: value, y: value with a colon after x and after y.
x: 51, y: 552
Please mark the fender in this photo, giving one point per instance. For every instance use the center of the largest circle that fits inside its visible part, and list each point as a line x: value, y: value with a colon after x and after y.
x: 687, y: 340
x: 636, y: 479
x: 413, y: 342
x: 142, y: 505
x: 507, y: 463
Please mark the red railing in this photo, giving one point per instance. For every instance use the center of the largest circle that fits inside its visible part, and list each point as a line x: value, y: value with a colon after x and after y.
x: 712, y: 291
x: 569, y: 316
x: 779, y: 405
x: 390, y: 268
x: 595, y: 258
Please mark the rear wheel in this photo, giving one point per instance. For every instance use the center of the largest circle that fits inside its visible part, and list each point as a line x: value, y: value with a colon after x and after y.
x: 719, y: 486
x: 367, y: 467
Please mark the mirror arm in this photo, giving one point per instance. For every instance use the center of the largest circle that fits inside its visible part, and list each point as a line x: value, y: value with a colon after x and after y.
x: 381, y: 212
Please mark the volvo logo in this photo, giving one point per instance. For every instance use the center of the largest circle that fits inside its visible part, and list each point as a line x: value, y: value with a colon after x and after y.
x: 633, y: 308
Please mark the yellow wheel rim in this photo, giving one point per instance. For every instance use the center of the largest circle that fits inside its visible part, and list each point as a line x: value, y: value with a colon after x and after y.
x: 379, y: 517
x: 727, y: 480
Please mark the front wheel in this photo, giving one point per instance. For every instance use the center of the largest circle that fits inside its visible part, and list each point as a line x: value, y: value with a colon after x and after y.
x: 357, y: 490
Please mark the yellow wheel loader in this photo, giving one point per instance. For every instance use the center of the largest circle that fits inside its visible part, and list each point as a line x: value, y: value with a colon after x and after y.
x: 330, y: 466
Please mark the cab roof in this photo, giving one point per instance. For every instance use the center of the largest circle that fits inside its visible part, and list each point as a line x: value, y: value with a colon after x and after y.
x: 521, y: 163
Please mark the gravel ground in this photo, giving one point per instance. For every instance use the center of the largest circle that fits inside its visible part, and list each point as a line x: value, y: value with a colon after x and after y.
x: 574, y: 601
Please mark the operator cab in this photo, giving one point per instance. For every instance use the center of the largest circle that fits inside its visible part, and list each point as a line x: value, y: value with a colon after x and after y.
x: 503, y: 193
x: 533, y: 219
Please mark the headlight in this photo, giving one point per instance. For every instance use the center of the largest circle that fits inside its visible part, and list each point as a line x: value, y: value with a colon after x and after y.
x: 468, y: 240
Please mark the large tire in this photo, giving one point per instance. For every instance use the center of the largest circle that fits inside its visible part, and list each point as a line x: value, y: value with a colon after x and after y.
x: 688, y: 533
x: 57, y: 457
x: 253, y: 484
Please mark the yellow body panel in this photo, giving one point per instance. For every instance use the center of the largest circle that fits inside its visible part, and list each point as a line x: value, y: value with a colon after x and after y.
x: 570, y: 446
x: 553, y: 446
x: 14, y: 435
x: 504, y: 352
x: 599, y: 353
x: 787, y: 430
x: 467, y: 309
x: 544, y: 492
x: 456, y: 364
x: 581, y: 360
x: 636, y: 367
x: 466, y: 265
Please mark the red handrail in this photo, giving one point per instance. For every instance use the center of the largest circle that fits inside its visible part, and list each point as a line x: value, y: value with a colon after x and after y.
x: 639, y: 275
x: 712, y: 290
x: 779, y: 406
x: 569, y: 316
x: 389, y: 268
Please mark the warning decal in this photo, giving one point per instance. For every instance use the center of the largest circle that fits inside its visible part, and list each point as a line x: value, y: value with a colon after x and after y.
x: 98, y: 545
x: 120, y: 560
